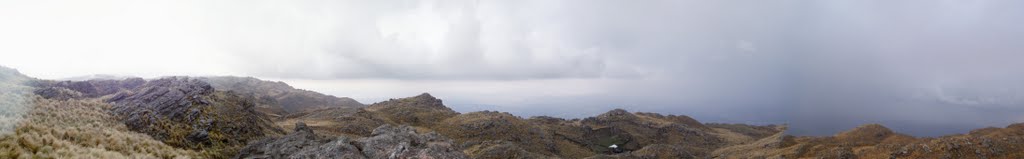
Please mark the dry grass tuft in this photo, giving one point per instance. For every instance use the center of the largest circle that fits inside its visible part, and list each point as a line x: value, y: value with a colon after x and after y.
x: 80, y: 129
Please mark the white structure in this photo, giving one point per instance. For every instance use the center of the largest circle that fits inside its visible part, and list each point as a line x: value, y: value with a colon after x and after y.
x: 613, y: 146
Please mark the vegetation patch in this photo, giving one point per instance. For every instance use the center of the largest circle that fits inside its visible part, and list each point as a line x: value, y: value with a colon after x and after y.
x: 80, y: 129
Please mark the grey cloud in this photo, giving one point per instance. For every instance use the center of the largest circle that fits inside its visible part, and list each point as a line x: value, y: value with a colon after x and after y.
x: 924, y: 68
x: 491, y: 39
x: 944, y: 67
x: 404, y: 40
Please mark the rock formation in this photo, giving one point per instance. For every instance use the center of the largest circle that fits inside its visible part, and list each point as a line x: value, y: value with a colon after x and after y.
x: 421, y: 110
x: 278, y: 98
x: 386, y: 141
x: 186, y: 112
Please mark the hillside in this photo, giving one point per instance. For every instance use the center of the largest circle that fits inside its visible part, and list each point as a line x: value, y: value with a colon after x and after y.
x: 15, y: 98
x: 278, y: 98
x: 232, y: 117
x: 877, y: 141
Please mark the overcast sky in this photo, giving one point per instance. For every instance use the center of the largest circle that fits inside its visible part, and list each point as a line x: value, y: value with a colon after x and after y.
x: 923, y: 67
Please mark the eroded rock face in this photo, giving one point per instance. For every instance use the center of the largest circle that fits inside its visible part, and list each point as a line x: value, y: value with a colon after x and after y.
x: 403, y: 142
x: 302, y: 143
x: 168, y: 99
x: 387, y: 141
x: 172, y: 97
x: 186, y: 112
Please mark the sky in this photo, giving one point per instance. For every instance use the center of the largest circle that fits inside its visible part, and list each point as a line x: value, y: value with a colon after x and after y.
x: 921, y: 67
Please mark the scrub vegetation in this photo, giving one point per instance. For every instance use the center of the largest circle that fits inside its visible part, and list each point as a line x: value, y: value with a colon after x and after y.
x: 80, y: 129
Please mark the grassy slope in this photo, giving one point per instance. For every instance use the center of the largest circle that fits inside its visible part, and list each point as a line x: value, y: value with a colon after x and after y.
x: 80, y: 129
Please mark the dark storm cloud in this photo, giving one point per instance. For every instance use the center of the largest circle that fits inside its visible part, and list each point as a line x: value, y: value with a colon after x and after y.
x: 930, y: 68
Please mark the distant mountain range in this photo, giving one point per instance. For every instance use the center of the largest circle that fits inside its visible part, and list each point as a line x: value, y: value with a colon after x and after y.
x: 244, y: 117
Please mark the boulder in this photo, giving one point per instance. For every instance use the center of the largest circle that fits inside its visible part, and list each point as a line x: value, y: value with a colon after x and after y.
x: 302, y: 143
x: 387, y: 141
x: 403, y: 142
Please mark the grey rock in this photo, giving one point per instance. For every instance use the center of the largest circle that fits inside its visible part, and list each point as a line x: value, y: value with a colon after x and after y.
x: 387, y: 142
x: 169, y: 98
x: 283, y: 147
x: 339, y: 148
x: 180, y: 105
x: 403, y: 142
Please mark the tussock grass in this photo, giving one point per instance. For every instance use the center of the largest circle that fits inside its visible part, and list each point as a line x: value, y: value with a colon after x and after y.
x: 80, y: 129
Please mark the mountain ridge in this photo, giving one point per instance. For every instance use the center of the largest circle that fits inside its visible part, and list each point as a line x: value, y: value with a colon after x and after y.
x: 192, y: 117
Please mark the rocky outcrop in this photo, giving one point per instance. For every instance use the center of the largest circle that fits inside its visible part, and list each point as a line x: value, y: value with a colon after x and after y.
x: 186, y: 112
x: 403, y: 142
x: 341, y: 121
x: 479, y: 127
x: 386, y: 142
x: 421, y: 110
x: 424, y: 100
x: 278, y: 98
x: 175, y: 98
x: 301, y: 143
